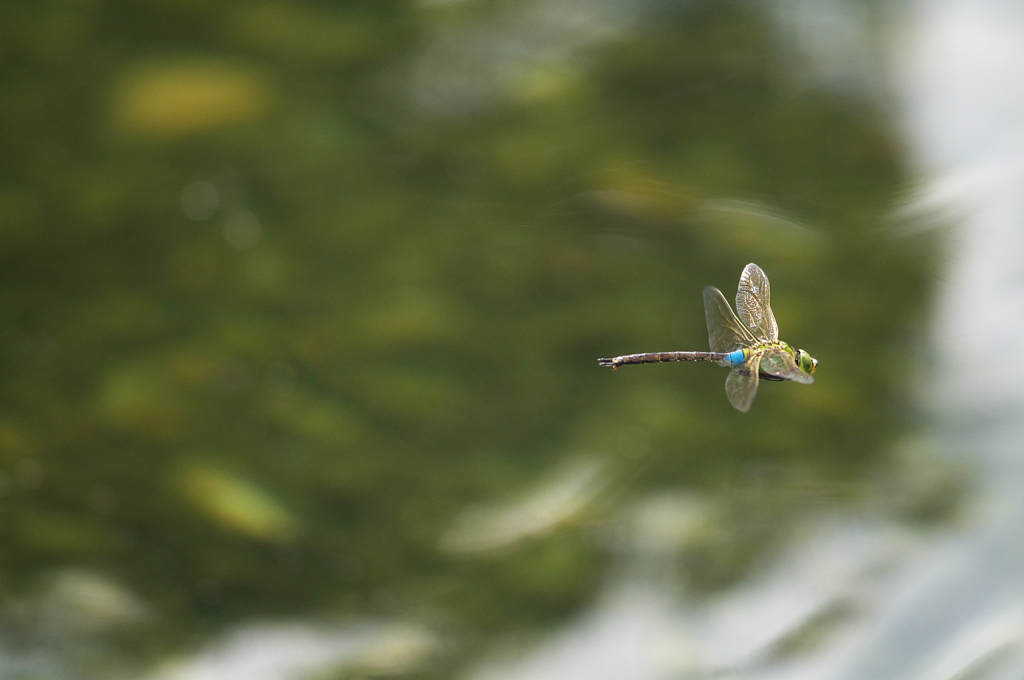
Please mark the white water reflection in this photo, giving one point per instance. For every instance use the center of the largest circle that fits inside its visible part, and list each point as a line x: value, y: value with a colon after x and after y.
x: 960, y: 71
x: 800, y: 616
x: 559, y: 499
x: 292, y: 651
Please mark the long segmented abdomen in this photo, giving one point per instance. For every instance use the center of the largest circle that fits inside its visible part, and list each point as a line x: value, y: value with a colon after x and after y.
x: 725, y: 358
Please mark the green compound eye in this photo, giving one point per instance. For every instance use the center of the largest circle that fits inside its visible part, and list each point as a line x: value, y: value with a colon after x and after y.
x: 806, y: 362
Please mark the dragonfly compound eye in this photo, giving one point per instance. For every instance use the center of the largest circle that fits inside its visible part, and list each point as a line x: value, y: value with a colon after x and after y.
x: 806, y: 362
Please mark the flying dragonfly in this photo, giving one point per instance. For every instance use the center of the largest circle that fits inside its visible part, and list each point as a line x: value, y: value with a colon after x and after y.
x: 748, y: 343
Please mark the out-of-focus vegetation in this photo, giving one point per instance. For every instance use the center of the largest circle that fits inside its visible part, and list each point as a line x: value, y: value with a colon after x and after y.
x: 287, y: 287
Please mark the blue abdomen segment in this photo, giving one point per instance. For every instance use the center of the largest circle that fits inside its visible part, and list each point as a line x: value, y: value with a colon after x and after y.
x: 733, y: 358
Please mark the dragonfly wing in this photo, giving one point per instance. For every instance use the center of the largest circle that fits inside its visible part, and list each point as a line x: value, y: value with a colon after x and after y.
x: 741, y: 385
x: 781, y: 364
x: 753, y: 304
x: 725, y: 332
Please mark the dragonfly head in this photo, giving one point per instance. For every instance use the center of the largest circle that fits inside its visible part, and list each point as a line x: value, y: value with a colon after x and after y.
x: 806, y: 362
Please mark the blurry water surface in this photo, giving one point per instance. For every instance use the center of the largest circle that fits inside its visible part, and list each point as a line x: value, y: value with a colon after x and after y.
x: 301, y: 303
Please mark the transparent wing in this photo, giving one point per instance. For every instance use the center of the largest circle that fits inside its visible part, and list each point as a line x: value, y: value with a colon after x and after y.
x: 741, y: 385
x: 781, y: 364
x: 725, y: 332
x: 753, y: 304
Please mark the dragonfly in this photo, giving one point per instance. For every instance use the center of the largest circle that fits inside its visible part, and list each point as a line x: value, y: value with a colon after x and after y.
x: 746, y: 341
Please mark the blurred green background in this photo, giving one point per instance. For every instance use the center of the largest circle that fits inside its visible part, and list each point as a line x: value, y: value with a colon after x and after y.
x: 301, y: 304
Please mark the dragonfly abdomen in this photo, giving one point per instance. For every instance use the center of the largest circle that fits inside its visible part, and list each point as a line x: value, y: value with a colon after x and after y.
x: 659, y: 357
x: 734, y: 358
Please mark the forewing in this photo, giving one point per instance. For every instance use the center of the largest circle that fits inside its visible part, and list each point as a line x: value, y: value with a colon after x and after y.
x: 725, y: 332
x: 741, y: 385
x: 753, y: 304
x: 781, y: 364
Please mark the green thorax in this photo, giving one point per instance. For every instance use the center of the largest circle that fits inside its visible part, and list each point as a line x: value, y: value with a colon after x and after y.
x: 766, y: 347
